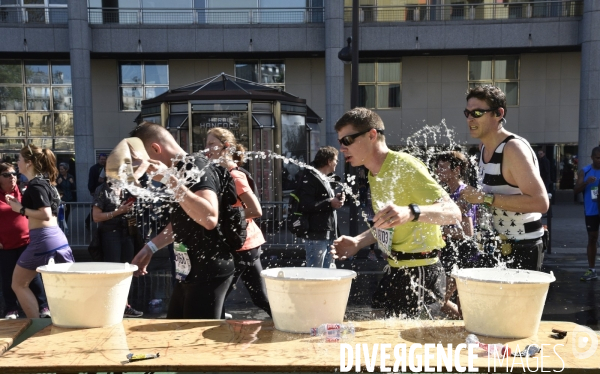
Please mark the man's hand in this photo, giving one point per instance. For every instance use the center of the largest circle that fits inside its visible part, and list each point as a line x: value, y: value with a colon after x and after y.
x: 344, y: 247
x: 142, y: 259
x: 337, y: 202
x: 472, y: 195
x: 391, y: 215
x: 590, y: 180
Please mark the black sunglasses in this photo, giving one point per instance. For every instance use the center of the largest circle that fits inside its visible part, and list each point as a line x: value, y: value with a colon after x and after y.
x: 349, y: 139
x: 9, y: 174
x: 477, y: 113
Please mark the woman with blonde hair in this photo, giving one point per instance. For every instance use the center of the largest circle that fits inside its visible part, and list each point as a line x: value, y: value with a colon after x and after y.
x: 223, y: 146
x: 39, y: 204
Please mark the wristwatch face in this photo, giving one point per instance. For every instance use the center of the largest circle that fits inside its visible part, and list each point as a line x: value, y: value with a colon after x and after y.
x: 488, y: 199
x: 415, y: 210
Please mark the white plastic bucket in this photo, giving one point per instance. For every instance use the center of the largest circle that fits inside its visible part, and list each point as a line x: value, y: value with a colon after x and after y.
x: 87, y: 294
x: 504, y: 303
x: 302, y: 298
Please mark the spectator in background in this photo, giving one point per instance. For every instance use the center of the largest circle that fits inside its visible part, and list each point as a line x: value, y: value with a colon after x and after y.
x: 94, y: 178
x: 319, y: 201
x: 113, y: 229
x: 66, y: 183
x: 14, y: 238
x: 545, y: 170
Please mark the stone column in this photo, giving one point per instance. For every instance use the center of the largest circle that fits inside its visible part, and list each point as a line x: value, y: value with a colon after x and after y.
x: 80, y: 42
x: 589, y: 98
x: 334, y: 68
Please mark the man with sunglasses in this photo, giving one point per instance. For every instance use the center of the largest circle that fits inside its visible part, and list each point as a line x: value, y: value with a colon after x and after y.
x: 510, y: 179
x: 409, y: 208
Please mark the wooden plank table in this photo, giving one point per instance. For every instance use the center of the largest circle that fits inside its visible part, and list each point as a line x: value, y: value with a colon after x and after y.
x: 255, y: 346
x: 9, y: 330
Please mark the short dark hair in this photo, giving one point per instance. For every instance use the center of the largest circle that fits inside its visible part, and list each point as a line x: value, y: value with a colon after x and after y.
x: 5, y: 166
x: 492, y: 95
x: 362, y: 119
x: 149, y: 131
x: 455, y: 159
x: 596, y: 150
x: 102, y: 155
x: 324, y: 155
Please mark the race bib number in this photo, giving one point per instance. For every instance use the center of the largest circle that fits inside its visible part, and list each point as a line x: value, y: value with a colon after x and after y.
x: 594, y: 191
x: 183, y: 265
x: 384, y: 240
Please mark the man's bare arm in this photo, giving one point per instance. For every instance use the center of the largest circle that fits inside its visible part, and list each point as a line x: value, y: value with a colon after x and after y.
x: 518, y: 170
x: 443, y: 212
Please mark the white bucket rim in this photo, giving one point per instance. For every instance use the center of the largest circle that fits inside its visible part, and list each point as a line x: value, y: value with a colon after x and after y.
x: 273, y: 274
x: 65, y: 268
x: 513, y: 276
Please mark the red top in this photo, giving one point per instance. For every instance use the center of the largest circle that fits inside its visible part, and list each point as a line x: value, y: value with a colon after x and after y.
x: 254, y: 236
x: 14, y: 229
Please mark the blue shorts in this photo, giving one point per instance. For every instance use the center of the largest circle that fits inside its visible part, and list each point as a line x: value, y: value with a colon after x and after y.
x: 45, y: 243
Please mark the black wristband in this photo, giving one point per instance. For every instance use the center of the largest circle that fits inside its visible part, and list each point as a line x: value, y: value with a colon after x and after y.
x: 22, y: 211
x: 416, y: 211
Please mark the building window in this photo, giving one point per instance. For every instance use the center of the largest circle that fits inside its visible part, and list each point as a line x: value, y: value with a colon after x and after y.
x: 36, y: 102
x: 34, y: 11
x: 141, y: 80
x: 269, y: 73
x: 500, y: 71
x: 379, y: 84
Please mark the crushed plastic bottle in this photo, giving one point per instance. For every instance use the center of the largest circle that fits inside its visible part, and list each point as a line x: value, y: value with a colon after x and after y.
x: 493, y: 349
x: 155, y: 302
x: 334, y: 332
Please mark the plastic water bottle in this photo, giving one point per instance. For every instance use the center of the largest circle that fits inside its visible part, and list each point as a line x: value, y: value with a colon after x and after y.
x: 493, y: 349
x: 61, y: 212
x: 334, y: 332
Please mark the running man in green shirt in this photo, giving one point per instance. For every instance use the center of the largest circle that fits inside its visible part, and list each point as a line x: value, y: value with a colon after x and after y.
x: 410, y: 206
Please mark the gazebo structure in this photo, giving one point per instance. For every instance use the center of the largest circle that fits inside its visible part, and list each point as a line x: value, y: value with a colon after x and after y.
x: 262, y: 118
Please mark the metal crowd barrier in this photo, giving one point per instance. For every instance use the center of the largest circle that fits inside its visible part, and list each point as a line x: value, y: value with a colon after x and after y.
x: 272, y: 223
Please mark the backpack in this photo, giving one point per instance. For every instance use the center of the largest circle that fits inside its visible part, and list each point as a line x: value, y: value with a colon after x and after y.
x: 232, y: 220
x: 251, y: 182
x: 297, y: 222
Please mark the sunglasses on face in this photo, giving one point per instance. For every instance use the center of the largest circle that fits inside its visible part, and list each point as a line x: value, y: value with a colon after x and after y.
x: 349, y: 139
x: 9, y: 174
x: 477, y: 113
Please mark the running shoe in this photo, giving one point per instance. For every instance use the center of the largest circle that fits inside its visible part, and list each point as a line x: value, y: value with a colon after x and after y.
x: 13, y: 314
x: 132, y: 313
x: 45, y: 313
x: 589, y: 276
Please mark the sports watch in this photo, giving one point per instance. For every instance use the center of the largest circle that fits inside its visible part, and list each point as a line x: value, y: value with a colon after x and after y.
x: 22, y: 211
x: 488, y: 199
x: 416, y: 211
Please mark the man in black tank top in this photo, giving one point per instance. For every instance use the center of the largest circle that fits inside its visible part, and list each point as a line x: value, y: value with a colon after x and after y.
x: 510, y: 179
